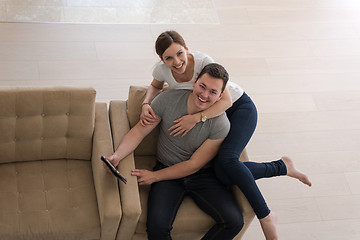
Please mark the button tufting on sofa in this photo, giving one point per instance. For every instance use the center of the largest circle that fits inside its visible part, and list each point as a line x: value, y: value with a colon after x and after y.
x: 52, y: 183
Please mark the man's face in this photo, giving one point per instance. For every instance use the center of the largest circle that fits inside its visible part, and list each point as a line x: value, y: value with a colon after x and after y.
x: 207, y: 91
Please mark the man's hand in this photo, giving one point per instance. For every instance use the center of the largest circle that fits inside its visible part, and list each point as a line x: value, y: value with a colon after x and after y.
x: 145, y: 177
x: 114, y: 160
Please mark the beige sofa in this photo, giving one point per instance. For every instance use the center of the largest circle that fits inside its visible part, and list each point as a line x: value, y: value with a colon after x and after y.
x: 190, y: 223
x: 52, y: 183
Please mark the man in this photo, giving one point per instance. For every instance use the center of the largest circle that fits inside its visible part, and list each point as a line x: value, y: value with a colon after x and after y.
x: 182, y: 167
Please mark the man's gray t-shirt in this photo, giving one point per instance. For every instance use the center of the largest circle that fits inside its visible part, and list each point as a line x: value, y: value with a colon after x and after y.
x: 171, y: 105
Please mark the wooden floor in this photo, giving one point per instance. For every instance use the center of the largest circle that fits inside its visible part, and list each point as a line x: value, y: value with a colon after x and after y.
x: 298, y: 59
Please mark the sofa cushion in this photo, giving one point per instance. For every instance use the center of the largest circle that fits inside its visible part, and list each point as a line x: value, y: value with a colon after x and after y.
x: 27, y: 120
x: 134, y: 105
x: 189, y: 217
x: 135, y: 99
x: 48, y: 200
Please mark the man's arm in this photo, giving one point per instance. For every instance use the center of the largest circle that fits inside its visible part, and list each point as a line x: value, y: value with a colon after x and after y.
x: 130, y: 141
x: 205, y: 153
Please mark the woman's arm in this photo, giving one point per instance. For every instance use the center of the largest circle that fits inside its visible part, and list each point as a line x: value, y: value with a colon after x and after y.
x: 184, y: 124
x: 154, y: 89
x: 219, y: 107
x: 205, y: 153
x: 147, y: 115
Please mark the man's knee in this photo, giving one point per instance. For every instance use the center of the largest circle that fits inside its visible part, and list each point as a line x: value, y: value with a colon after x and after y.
x: 228, y: 228
x: 234, y: 223
x: 158, y: 230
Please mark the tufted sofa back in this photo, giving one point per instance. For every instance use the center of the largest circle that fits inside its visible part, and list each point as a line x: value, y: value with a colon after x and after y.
x: 27, y: 120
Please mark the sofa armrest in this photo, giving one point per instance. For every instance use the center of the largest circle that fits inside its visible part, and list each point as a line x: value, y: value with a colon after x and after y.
x: 246, y: 209
x: 106, y: 185
x: 242, y: 201
x: 129, y: 193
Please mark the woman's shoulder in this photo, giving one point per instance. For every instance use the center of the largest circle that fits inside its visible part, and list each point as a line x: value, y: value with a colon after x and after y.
x: 200, y: 55
x: 202, y: 59
x: 159, y: 66
x: 160, y: 71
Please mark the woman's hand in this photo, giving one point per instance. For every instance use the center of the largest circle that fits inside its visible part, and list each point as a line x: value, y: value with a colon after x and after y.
x: 184, y: 124
x: 145, y: 177
x: 148, y: 116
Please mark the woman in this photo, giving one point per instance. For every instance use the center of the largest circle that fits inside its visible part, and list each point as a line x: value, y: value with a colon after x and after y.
x: 179, y: 68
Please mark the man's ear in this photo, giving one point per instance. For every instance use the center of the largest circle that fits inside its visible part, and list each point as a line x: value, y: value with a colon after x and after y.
x: 220, y: 96
x: 196, y: 78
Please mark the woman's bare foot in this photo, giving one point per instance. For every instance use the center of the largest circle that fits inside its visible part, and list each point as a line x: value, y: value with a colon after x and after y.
x: 268, y: 226
x: 293, y: 172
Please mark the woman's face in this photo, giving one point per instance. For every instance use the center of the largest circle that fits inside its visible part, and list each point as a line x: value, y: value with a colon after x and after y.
x: 175, y: 57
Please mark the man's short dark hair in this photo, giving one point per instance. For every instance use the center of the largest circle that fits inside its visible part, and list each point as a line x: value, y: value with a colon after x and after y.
x: 215, y: 70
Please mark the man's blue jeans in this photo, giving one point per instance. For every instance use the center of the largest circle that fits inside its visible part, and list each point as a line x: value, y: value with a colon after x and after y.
x: 207, y: 192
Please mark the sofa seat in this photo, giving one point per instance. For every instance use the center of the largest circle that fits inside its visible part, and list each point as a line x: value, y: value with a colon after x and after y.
x: 52, y: 182
x: 43, y: 199
x: 189, y: 219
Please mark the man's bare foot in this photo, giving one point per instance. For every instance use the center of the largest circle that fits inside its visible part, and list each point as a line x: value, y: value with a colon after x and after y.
x: 268, y: 226
x: 293, y: 172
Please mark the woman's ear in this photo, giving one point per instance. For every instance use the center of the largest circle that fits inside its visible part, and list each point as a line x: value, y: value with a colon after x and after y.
x: 187, y: 50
